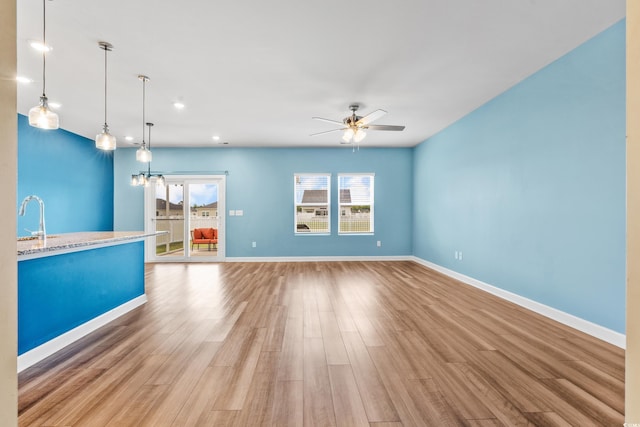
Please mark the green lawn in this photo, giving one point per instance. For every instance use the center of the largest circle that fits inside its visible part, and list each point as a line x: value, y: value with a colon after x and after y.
x: 173, y: 246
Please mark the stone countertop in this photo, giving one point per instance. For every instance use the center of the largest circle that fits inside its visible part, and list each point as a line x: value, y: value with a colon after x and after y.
x: 70, y: 242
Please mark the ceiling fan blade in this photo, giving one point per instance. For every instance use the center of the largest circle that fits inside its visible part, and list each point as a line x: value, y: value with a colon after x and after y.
x: 371, y: 117
x: 328, y: 121
x: 327, y: 131
x: 385, y: 127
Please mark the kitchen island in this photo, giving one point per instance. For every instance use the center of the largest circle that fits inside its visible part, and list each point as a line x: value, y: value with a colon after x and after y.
x: 73, y: 284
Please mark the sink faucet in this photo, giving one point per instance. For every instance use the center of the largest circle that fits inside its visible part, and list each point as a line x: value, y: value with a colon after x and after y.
x: 41, y: 233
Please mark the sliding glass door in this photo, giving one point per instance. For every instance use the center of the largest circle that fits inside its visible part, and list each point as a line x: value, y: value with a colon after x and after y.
x: 189, y: 210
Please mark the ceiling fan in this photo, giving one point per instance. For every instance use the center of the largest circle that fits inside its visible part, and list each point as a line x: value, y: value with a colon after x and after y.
x: 354, y: 126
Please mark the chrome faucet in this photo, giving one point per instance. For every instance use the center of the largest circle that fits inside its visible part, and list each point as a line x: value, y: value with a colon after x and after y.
x: 41, y: 233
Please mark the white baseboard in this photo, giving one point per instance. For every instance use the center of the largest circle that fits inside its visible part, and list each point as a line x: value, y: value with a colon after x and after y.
x: 45, y: 350
x: 320, y: 258
x: 600, y: 332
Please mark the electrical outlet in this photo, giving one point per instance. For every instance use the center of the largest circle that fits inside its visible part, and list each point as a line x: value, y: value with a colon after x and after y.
x: 253, y: 244
x: 379, y: 243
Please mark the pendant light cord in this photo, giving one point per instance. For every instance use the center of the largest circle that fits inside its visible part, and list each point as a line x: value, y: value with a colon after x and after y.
x: 44, y: 42
x: 105, y: 47
x: 144, y: 83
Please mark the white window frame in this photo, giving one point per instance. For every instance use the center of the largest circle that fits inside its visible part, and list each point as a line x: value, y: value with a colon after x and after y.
x: 345, y: 207
x: 326, y: 205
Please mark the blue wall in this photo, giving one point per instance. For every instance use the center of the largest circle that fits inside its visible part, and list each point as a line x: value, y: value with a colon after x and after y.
x: 531, y: 186
x: 260, y: 182
x: 74, y: 179
x: 58, y: 293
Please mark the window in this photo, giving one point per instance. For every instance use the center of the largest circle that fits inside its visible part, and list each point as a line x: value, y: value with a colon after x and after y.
x: 312, y: 195
x: 356, y: 203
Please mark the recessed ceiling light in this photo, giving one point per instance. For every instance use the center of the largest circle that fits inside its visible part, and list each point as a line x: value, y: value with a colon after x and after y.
x: 40, y: 47
x: 216, y: 138
x: 128, y: 138
x: 22, y: 79
x: 179, y: 105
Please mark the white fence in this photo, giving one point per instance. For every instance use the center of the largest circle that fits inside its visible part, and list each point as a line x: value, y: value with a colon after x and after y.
x: 175, y: 227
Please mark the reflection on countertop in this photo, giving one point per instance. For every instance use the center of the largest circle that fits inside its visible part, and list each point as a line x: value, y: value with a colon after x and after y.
x: 30, y: 248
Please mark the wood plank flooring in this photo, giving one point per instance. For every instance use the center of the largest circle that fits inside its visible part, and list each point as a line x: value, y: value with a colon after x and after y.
x: 324, y: 344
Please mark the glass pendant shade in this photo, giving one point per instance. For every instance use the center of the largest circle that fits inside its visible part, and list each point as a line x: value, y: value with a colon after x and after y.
x: 160, y: 181
x: 105, y: 141
x: 42, y: 117
x: 143, y: 155
x: 134, y: 180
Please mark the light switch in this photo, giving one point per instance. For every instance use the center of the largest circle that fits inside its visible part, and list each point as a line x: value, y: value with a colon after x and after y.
x: 232, y: 213
x: 239, y: 212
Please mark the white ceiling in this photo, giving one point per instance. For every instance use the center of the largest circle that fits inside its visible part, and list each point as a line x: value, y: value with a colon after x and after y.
x: 255, y: 72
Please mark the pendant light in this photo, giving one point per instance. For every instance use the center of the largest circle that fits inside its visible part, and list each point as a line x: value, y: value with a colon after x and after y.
x: 143, y: 155
x: 41, y: 116
x: 104, y: 140
x: 143, y: 179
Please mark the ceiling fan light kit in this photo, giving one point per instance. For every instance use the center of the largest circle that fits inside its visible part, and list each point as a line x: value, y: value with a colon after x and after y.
x: 355, y: 126
x: 348, y: 134
x: 359, y: 135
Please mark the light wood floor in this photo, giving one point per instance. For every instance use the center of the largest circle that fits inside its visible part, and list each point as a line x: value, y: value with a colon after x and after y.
x: 339, y: 343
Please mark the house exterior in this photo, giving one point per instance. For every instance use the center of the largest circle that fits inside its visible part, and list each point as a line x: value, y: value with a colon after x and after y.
x: 168, y: 210
x: 209, y: 210
x: 310, y: 197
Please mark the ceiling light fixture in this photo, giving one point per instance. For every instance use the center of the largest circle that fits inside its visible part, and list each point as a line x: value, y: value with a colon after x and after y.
x: 355, y: 131
x: 143, y: 155
x: 128, y: 138
x: 179, y: 105
x: 41, y: 116
x: 22, y: 79
x: 144, y: 179
x: 348, y: 135
x: 104, y: 140
x: 355, y: 127
x: 359, y: 135
x: 216, y: 138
